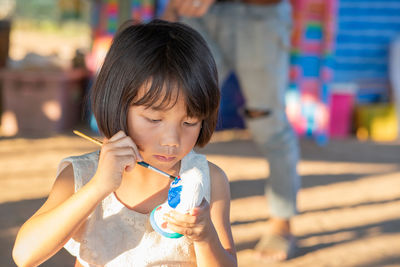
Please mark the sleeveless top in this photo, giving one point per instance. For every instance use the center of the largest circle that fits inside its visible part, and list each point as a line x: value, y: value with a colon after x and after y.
x: 114, y: 235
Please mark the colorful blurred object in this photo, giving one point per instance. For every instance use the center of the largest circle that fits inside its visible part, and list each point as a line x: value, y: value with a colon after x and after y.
x: 377, y: 122
x: 143, y: 10
x: 308, y: 95
x: 107, y: 15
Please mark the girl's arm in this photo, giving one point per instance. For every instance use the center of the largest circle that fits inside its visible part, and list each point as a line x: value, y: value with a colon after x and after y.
x: 218, y: 249
x: 64, y: 212
x: 208, y: 225
x: 47, y: 231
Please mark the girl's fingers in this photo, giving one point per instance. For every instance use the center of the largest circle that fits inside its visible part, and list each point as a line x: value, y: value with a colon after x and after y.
x: 180, y: 226
x: 187, y: 231
x: 122, y: 151
x: 135, y: 148
x: 193, y: 216
x: 195, y: 226
x: 126, y: 156
x: 198, y: 210
x: 120, y: 139
x: 116, y: 136
x: 127, y: 141
x: 127, y: 161
x: 180, y: 221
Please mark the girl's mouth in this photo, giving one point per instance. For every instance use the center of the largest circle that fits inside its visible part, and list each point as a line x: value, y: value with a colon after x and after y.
x: 164, y: 158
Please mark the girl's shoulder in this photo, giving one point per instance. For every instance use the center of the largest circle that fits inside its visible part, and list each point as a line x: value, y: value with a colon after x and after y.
x: 92, y: 156
x: 216, y: 172
x: 215, y: 180
x: 84, y: 167
x: 219, y: 183
x: 213, y: 171
x: 218, y: 180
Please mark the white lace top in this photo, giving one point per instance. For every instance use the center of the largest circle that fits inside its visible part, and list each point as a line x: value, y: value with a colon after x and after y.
x: 114, y: 235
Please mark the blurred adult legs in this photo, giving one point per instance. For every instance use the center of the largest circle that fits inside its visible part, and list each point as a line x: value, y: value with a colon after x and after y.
x: 254, y: 41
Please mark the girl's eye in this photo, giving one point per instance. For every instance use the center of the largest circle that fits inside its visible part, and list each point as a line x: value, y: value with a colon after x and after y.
x: 153, y: 120
x: 191, y: 123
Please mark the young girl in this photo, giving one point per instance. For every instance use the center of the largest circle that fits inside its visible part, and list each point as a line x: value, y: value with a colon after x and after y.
x: 155, y: 99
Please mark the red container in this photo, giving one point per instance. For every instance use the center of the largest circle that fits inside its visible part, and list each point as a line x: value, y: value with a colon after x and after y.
x: 41, y: 102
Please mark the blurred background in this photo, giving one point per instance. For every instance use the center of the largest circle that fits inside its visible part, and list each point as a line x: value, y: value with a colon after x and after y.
x: 343, y: 101
x: 344, y: 59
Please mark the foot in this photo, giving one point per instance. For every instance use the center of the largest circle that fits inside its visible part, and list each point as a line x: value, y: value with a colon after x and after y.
x: 278, y: 243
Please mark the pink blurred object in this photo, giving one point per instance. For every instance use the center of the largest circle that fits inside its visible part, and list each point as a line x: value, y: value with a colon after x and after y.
x: 341, y: 110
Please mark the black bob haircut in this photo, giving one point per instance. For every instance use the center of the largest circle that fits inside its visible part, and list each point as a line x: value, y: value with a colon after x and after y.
x: 173, y: 58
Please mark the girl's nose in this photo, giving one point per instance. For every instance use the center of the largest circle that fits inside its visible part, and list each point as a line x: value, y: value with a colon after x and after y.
x: 170, y: 137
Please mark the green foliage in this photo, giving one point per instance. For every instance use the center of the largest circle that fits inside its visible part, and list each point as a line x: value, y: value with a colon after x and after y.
x: 37, y: 10
x: 50, y: 14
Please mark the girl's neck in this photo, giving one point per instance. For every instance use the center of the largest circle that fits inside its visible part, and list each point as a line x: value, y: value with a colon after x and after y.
x: 143, y: 177
x: 143, y: 189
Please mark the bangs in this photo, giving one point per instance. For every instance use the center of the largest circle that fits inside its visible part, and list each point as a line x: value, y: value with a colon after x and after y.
x: 163, y: 92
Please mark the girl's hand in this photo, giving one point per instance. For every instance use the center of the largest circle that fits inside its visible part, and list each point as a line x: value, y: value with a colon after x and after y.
x: 119, y: 153
x: 196, y: 224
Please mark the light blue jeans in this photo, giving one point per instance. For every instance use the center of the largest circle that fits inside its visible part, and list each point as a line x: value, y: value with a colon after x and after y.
x: 254, y: 41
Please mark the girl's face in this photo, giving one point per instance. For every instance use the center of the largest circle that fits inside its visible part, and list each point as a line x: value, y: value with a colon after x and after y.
x: 163, y: 137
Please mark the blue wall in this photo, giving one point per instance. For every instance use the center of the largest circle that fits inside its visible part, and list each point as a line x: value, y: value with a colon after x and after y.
x: 365, y: 29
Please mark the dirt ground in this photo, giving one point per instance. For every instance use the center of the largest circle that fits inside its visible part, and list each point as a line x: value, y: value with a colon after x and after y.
x: 349, y: 202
